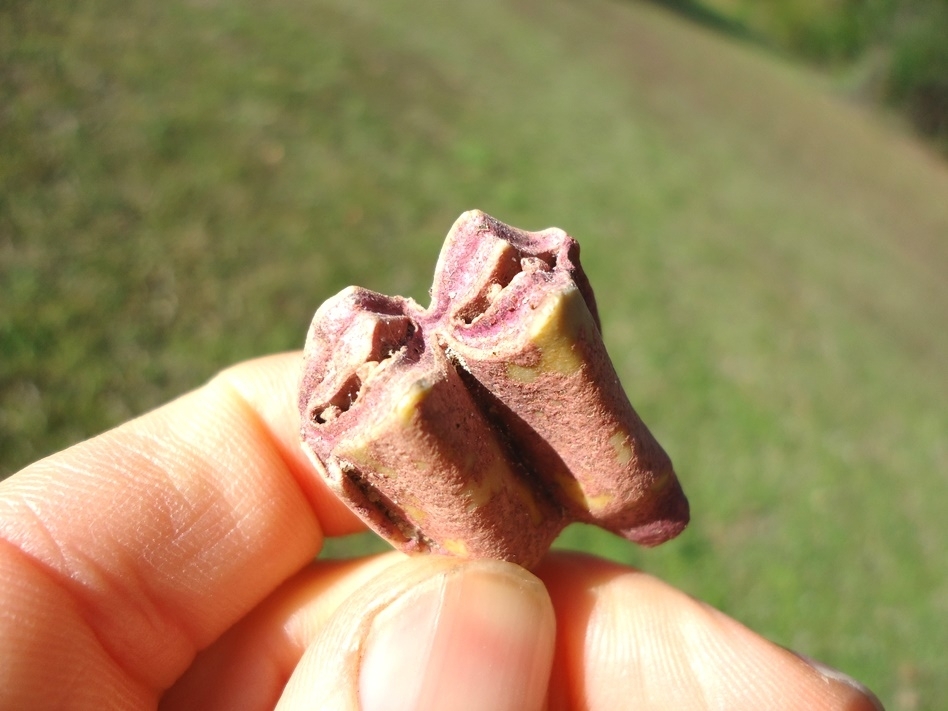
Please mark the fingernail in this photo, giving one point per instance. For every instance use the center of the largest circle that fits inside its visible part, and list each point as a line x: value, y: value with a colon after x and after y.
x: 831, y: 674
x: 476, y: 637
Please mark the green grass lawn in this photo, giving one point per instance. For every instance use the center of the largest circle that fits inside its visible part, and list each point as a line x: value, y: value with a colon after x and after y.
x: 182, y: 183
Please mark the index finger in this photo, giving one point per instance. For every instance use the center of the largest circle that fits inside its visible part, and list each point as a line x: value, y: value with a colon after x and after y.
x: 160, y: 534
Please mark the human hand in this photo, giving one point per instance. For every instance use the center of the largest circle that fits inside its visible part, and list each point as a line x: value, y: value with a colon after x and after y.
x: 170, y: 562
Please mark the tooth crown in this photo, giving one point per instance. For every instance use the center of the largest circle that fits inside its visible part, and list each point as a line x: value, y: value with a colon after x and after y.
x: 484, y: 424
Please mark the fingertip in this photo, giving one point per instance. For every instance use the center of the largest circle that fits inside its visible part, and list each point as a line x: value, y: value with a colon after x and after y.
x: 627, y: 639
x: 862, y: 697
x: 434, y: 633
x: 484, y: 632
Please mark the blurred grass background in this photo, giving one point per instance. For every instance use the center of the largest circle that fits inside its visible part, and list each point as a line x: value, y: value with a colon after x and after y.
x: 886, y: 53
x: 182, y: 183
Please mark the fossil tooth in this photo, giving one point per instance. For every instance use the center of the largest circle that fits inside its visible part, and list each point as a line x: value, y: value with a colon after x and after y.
x: 484, y: 424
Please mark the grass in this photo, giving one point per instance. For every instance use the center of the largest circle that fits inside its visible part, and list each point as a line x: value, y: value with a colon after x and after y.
x: 889, y: 52
x: 182, y: 183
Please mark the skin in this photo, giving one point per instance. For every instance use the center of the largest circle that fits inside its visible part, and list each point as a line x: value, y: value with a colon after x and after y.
x: 170, y: 562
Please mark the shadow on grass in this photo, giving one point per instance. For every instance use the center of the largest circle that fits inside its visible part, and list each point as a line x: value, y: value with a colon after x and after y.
x: 708, y: 17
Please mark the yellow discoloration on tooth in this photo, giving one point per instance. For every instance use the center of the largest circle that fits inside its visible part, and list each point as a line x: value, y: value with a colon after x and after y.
x: 594, y: 504
x: 409, y: 404
x: 559, y: 323
x: 525, y: 496
x: 358, y: 450
x: 571, y: 488
x: 621, y: 444
x: 456, y: 547
x: 597, y: 504
x: 485, y: 483
x: 417, y: 515
x: 661, y: 481
x: 385, y: 470
x: 521, y: 374
x: 481, y: 491
x: 493, y: 481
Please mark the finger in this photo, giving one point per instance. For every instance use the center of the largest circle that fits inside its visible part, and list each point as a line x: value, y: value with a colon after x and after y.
x: 249, y: 665
x: 150, y: 540
x: 629, y: 641
x: 433, y: 633
x: 270, y: 387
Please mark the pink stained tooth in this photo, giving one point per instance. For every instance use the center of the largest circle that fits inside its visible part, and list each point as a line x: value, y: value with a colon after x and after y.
x: 483, y: 425
x: 534, y: 349
x: 395, y: 433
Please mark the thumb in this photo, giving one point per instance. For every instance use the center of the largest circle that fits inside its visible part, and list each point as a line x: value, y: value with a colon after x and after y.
x: 432, y: 633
